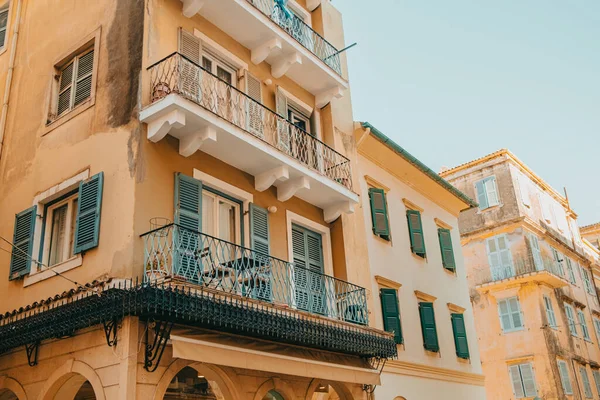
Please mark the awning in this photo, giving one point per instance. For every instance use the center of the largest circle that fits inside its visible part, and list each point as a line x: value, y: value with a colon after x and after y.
x: 225, y: 351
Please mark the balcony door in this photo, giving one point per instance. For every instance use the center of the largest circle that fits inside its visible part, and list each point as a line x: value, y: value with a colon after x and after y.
x: 219, y: 87
x: 309, y: 280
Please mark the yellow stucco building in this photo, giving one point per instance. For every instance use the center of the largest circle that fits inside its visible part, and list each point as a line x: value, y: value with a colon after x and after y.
x: 532, y: 283
x: 179, y: 181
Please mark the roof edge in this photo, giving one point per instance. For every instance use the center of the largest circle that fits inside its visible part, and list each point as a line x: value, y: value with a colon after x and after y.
x: 396, y: 148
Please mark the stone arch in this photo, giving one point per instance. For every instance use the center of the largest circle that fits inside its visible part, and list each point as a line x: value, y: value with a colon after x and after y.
x: 14, y: 386
x: 72, y: 372
x: 228, y: 384
x: 340, y: 389
x: 276, y: 384
x: 399, y: 398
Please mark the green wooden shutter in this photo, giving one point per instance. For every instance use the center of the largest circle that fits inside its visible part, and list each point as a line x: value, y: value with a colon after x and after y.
x: 460, y: 335
x: 89, y: 205
x: 391, y: 313
x: 446, y: 248
x: 188, y: 202
x: 430, y: 339
x: 379, y: 214
x: 259, y: 229
x: 415, y: 231
x: 20, y: 260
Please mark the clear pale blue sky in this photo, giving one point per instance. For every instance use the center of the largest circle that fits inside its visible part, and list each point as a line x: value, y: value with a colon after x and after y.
x: 451, y: 81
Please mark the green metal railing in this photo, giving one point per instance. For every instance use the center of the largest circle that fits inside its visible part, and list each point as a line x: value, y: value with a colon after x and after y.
x: 174, y: 252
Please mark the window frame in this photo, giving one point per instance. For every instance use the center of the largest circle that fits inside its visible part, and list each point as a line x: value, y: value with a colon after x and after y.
x: 585, y: 380
x: 510, y: 314
x: 487, y: 192
x: 564, y: 378
x: 499, y: 252
x: 552, y: 323
x: 48, y: 222
x: 583, y: 323
x: 571, y: 321
x: 596, y: 376
x: 6, y: 7
x: 522, y: 381
x: 239, y: 221
x: 293, y: 114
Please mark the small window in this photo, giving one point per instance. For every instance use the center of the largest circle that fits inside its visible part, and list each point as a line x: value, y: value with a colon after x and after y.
x: 487, y: 192
x: 221, y: 216
x: 298, y: 119
x: 587, y: 388
x: 60, y: 230
x: 571, y: 271
x: 3, y: 24
x: 75, y: 79
x: 563, y: 370
x: 500, y: 258
x: 571, y: 319
x: 583, y: 323
x: 536, y: 252
x: 523, y: 381
x: 550, y: 312
x: 511, y: 317
x: 597, y: 327
x: 596, y: 374
x: 559, y: 261
x: 585, y: 275
x: 379, y: 213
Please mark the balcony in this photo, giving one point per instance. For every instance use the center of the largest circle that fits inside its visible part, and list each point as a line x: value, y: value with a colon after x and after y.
x: 523, y: 271
x: 225, y: 270
x: 203, y: 111
x: 288, y: 44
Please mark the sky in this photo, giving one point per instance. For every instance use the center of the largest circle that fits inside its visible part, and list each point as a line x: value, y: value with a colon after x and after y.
x: 451, y: 81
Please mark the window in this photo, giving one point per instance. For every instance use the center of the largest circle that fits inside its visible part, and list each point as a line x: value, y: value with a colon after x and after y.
x: 536, y: 252
x: 571, y: 271
x: 597, y: 327
x: 487, y: 192
x: 379, y: 213
x: 307, y: 247
x: 586, y: 280
x: 587, y: 388
x: 559, y: 259
x: 584, y: 328
x: 596, y: 375
x: 390, y: 311
x: 75, y: 81
x: 523, y: 381
x: 221, y: 216
x: 59, y: 228
x: 563, y: 370
x: 545, y: 205
x: 571, y: 319
x: 415, y: 232
x: 500, y: 257
x: 524, y: 186
x: 298, y: 119
x: 428, y: 327
x: 3, y: 24
x: 446, y: 249
x: 511, y: 317
x: 550, y: 312
x: 460, y: 335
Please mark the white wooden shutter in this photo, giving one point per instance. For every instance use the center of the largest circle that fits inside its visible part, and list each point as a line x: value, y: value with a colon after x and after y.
x: 571, y: 319
x: 545, y: 206
x: 528, y: 379
x: 524, y: 188
x: 491, y: 191
x: 596, y: 374
x: 550, y: 312
x: 515, y: 377
x: 189, y: 84
x: 255, y: 111
x: 571, y: 271
x: 481, y: 195
x: 536, y: 252
x: 65, y: 86
x: 564, y: 377
x: 516, y: 314
x: 283, y: 127
x: 586, y: 382
x: 83, y: 80
x: 500, y: 257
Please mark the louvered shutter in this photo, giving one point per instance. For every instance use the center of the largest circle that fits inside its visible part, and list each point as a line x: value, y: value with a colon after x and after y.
x: 190, y: 79
x: 391, y: 313
x: 460, y: 335
x: 255, y: 109
x: 83, y: 80
x: 596, y: 374
x: 309, y: 280
x: 481, y: 195
x: 283, y: 127
x: 491, y: 191
x: 415, y: 230
x: 259, y: 242
x: 188, y: 217
x: 563, y: 371
x: 3, y: 23
x: 89, y: 205
x: 65, y: 85
x: 587, y: 389
x: 20, y: 260
x: 446, y: 248
x: 379, y: 214
x: 429, y: 330
x: 517, y: 384
x: 550, y: 312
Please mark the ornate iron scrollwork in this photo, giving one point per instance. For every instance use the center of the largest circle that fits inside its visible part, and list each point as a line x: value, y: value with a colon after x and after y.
x: 154, y: 351
x: 110, y: 331
x: 32, y: 353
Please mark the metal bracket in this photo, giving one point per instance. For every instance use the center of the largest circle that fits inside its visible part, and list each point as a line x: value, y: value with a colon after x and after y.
x: 110, y: 331
x: 155, y: 350
x: 32, y: 353
x: 377, y: 363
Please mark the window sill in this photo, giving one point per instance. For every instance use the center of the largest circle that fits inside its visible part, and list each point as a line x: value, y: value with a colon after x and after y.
x: 69, y: 115
x: 451, y: 272
x: 513, y: 331
x: 64, y: 266
x: 494, y: 207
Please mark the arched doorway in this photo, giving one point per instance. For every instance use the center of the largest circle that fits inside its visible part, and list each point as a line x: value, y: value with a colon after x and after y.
x: 76, y: 388
x: 7, y: 394
x: 273, y: 395
x: 191, y: 384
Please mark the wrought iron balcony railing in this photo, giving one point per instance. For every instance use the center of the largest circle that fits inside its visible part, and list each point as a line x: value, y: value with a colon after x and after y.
x: 303, y: 33
x: 176, y: 253
x: 521, y: 266
x: 177, y: 74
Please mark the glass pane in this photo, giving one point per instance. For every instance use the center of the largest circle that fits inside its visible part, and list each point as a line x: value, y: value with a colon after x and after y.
x: 516, y: 317
x: 207, y: 64
x: 227, y: 222
x: 57, y: 238
x: 503, y: 307
x: 208, y: 214
x: 492, y: 245
x: 514, y: 304
x: 224, y: 74
x: 3, y: 18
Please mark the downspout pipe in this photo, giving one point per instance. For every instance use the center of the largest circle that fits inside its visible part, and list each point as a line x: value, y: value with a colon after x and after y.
x: 9, y: 75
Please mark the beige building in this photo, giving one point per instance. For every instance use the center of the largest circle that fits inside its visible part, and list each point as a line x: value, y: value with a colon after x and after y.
x: 180, y: 205
x: 531, y: 279
x: 418, y: 273
x: 592, y: 234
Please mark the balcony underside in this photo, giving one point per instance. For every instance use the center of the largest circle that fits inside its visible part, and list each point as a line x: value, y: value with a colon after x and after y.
x: 271, y: 43
x: 198, y: 128
x: 543, y: 277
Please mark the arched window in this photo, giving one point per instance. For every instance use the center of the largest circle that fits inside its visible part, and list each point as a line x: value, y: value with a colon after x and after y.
x: 189, y: 382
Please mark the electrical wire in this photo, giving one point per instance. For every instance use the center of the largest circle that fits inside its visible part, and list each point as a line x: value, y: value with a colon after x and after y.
x: 27, y: 257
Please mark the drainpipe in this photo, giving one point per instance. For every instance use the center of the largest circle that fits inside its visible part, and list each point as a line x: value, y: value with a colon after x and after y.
x: 9, y: 75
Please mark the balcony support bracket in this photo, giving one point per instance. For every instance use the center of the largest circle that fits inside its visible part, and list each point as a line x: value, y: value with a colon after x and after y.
x: 155, y: 347
x: 333, y: 212
x: 325, y: 97
x: 261, y: 52
x: 289, y: 188
x: 191, y: 7
x: 281, y: 67
x: 159, y: 128
x: 32, y: 353
x: 110, y: 331
x: 266, y: 179
x: 190, y: 144
x: 312, y: 4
